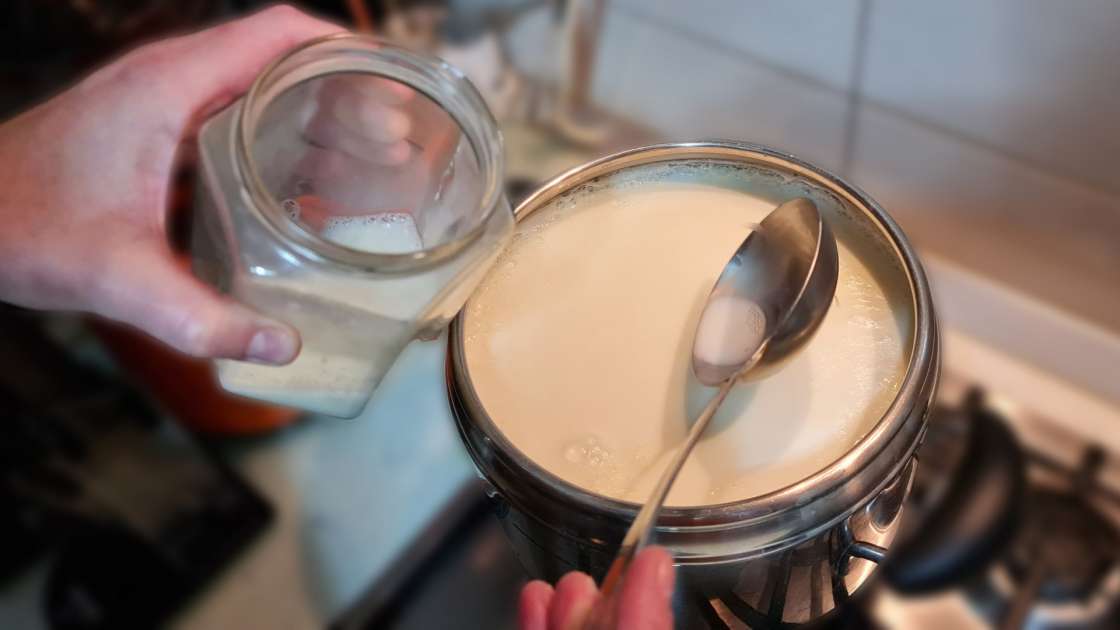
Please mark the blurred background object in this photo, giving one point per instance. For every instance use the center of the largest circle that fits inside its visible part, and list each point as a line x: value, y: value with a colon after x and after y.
x: 47, y: 43
x: 988, y: 130
x: 134, y: 515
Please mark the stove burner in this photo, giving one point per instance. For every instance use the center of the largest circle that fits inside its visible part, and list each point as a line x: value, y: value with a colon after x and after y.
x: 1063, y: 567
x: 965, y: 505
x: 732, y: 614
x: 1065, y: 545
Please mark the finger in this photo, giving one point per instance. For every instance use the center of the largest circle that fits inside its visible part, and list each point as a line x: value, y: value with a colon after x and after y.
x: 324, y: 130
x: 647, y: 591
x: 144, y: 286
x: 340, y: 185
x: 378, y: 89
x: 575, y: 595
x: 369, y: 119
x: 205, y: 70
x: 433, y: 129
x: 532, y: 610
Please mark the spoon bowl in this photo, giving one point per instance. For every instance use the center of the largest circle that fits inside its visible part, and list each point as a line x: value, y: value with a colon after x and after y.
x: 768, y: 301
x: 770, y: 298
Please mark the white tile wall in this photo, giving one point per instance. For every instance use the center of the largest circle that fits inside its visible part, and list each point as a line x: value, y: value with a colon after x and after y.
x: 1042, y: 234
x: 685, y: 89
x: 1036, y: 78
x: 813, y: 39
x: 532, y: 43
x: 688, y: 90
x: 991, y: 130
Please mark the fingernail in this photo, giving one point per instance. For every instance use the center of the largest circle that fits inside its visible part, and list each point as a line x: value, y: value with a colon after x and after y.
x: 665, y: 576
x: 272, y: 345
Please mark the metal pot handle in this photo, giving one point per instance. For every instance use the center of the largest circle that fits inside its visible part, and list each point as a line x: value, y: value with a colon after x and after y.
x: 867, y: 551
x: 882, y: 512
x: 852, y: 548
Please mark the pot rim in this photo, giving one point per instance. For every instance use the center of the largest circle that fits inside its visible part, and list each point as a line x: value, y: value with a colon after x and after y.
x: 797, y: 494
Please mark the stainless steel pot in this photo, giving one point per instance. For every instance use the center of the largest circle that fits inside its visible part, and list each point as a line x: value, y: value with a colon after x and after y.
x: 790, y: 556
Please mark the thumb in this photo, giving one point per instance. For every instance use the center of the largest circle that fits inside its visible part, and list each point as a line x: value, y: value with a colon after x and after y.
x: 647, y: 592
x: 155, y: 293
x: 204, y: 71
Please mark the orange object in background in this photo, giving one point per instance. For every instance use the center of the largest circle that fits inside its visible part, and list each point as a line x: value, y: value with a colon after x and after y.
x: 186, y: 386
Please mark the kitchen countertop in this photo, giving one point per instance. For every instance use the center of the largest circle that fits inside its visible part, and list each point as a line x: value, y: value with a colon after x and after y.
x: 350, y: 495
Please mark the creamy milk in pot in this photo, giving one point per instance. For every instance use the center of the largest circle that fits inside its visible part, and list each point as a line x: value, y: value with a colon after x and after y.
x: 570, y: 381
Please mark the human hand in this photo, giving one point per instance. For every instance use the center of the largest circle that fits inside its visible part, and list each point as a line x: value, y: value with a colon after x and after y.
x: 643, y: 604
x: 86, y: 179
x: 368, y: 144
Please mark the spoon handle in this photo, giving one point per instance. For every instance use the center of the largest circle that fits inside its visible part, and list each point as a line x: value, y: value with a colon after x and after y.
x: 604, y: 614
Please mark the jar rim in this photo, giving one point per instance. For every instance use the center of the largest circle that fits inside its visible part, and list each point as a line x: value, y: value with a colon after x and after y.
x: 916, y: 388
x: 460, y: 99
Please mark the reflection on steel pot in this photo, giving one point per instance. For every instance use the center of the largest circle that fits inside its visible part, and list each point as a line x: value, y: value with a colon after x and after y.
x: 788, y: 554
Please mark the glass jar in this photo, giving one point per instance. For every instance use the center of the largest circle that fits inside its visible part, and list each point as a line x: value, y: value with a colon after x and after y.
x: 355, y: 193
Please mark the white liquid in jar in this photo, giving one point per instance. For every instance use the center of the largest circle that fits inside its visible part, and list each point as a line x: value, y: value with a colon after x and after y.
x: 383, y: 233
x: 347, y: 345
x: 579, y: 341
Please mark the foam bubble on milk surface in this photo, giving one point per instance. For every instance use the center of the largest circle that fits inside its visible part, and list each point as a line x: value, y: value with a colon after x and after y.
x: 382, y: 233
x: 587, y: 450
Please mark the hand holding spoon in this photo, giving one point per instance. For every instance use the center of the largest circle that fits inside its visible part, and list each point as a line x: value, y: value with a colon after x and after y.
x: 767, y: 303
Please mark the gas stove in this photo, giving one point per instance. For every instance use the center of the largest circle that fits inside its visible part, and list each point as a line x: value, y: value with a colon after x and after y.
x: 1059, y: 565
x: 1038, y: 547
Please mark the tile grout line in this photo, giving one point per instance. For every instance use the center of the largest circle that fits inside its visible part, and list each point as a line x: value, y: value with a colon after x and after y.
x: 864, y: 101
x: 855, y: 88
x: 999, y: 152
x: 718, y: 46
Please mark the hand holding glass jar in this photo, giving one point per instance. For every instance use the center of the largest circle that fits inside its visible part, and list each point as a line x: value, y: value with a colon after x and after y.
x: 354, y: 198
x: 355, y: 193
x: 86, y: 179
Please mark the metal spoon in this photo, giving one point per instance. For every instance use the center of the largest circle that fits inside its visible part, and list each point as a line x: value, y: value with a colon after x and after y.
x: 765, y: 306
